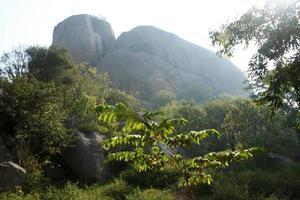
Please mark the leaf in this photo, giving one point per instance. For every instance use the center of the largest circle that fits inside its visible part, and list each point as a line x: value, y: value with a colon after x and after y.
x: 161, y: 132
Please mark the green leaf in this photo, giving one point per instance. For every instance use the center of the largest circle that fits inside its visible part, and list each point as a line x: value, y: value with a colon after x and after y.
x: 152, y: 133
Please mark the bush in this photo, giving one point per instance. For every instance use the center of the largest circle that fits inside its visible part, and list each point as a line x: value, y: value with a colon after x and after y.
x: 118, y: 189
x: 19, y: 195
x: 272, y: 197
x: 68, y: 191
x: 149, y: 179
x: 225, y: 190
x: 35, y: 182
x: 41, y: 188
x: 150, y: 194
x: 282, y: 182
x: 35, y: 118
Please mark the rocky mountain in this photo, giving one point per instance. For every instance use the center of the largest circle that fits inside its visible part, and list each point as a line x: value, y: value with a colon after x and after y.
x: 86, y: 37
x: 152, y: 64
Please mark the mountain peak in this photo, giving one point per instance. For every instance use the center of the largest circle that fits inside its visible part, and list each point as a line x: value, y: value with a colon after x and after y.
x: 87, y: 37
x: 149, y: 61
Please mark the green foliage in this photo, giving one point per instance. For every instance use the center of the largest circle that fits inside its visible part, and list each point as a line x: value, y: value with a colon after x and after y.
x: 274, y: 29
x: 196, y: 92
x: 224, y: 190
x: 45, y: 96
x: 189, y: 110
x: 50, y: 64
x: 33, y: 109
x: 33, y: 103
x: 230, y: 183
x: 115, y: 95
x: 73, y: 191
x: 151, y: 179
x: 242, y: 123
x: 41, y: 188
x: 162, y: 97
x: 19, y: 195
x: 117, y: 190
x: 250, y: 125
x: 272, y: 197
x: 155, y: 144
x: 281, y: 182
x: 150, y: 194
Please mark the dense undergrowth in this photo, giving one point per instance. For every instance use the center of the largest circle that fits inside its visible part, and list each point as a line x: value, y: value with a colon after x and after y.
x: 236, y: 183
x: 51, y: 98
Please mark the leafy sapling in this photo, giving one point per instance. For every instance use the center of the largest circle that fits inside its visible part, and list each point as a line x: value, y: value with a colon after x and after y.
x: 155, y: 145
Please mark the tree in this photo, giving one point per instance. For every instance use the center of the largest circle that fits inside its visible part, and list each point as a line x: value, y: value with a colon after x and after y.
x: 51, y: 64
x: 45, y: 96
x: 14, y: 64
x: 274, y: 69
x: 242, y: 124
x: 249, y: 125
x: 34, y: 118
x: 155, y: 145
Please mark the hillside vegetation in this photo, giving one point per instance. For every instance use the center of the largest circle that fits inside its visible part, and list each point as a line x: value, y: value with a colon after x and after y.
x: 149, y: 116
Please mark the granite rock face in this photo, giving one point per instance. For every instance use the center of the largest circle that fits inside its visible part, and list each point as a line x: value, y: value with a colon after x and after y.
x: 150, y: 60
x: 86, y: 37
x: 4, y: 153
x: 137, y: 70
x: 86, y: 158
x: 55, y: 173
x: 11, y: 175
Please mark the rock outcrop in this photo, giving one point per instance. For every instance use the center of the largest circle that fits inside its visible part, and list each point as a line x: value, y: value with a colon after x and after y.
x: 55, y: 173
x: 11, y: 175
x: 86, y: 158
x: 136, y: 70
x: 4, y: 153
x: 86, y: 37
x: 151, y: 60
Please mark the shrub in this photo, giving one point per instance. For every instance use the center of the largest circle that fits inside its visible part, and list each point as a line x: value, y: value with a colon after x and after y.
x: 151, y: 179
x: 223, y: 190
x: 18, y: 195
x: 118, y: 189
x: 73, y: 191
x: 150, y: 194
x: 156, y: 146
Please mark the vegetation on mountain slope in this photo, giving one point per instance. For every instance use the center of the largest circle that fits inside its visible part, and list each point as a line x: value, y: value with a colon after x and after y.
x: 45, y: 98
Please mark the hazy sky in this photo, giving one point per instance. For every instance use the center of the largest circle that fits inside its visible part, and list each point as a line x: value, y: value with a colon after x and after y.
x: 31, y: 22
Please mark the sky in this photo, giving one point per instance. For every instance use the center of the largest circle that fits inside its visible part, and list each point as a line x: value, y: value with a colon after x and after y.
x: 31, y: 22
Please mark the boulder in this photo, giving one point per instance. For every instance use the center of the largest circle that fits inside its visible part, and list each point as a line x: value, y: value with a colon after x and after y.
x: 11, y: 175
x: 4, y: 153
x: 280, y: 158
x: 85, y: 158
x: 87, y: 38
x: 55, y: 173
